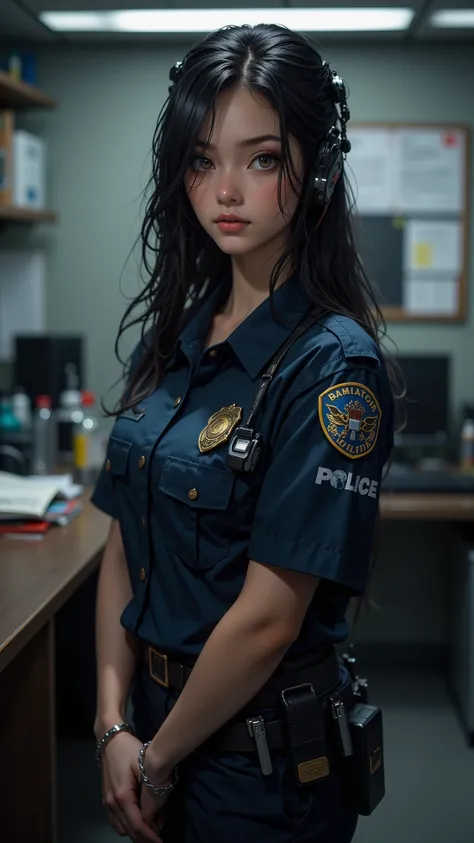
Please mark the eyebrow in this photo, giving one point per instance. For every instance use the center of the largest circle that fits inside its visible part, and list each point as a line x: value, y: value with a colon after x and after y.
x: 244, y: 143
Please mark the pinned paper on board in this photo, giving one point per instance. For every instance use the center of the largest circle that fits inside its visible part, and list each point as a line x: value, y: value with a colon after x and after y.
x: 433, y: 246
x: 429, y: 164
x: 370, y: 170
x: 430, y: 297
x: 412, y: 185
x: 423, y: 255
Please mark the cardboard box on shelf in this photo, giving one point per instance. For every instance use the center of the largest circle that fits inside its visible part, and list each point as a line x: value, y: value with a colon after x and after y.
x: 7, y: 128
x: 28, y: 171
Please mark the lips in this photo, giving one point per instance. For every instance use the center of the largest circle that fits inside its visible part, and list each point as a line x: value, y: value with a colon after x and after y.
x: 229, y: 218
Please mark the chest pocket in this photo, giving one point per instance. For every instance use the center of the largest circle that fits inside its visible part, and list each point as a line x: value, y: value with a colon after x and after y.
x: 117, y: 465
x: 118, y: 452
x: 195, y: 521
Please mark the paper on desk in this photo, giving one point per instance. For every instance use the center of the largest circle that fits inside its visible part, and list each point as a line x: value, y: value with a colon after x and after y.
x: 29, y: 497
x: 63, y: 482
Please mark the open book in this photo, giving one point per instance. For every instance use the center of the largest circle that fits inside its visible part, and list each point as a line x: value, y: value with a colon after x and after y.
x: 30, y: 497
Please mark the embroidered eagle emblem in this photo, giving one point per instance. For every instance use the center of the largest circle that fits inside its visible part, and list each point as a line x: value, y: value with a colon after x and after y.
x: 350, y: 418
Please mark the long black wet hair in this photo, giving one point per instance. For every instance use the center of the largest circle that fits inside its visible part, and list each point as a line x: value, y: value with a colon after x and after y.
x: 182, y: 264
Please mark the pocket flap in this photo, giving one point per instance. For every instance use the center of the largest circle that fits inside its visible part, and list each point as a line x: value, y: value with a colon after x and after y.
x: 117, y: 455
x: 198, y: 485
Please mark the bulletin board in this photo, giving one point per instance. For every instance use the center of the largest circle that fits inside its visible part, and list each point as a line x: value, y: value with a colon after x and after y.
x: 412, y: 188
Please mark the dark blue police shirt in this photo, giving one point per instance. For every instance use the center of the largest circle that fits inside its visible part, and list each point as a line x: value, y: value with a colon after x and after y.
x: 190, y: 524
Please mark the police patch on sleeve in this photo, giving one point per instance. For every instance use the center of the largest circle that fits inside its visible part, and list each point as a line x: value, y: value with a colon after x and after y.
x: 350, y: 418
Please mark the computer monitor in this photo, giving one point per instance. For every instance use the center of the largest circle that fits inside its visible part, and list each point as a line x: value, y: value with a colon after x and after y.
x: 425, y: 408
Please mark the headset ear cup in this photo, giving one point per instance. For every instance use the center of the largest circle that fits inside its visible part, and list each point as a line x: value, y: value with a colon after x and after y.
x: 335, y: 171
x: 327, y: 171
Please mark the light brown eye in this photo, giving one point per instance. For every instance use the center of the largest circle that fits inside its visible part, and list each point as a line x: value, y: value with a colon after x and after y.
x: 200, y: 164
x: 266, y: 161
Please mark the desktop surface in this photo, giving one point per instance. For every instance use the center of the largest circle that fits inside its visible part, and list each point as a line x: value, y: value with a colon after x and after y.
x: 406, y: 478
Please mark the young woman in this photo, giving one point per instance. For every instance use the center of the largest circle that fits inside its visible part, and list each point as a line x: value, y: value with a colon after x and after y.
x: 236, y: 542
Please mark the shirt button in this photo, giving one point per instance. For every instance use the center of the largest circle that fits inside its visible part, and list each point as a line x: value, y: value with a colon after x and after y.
x: 142, y: 574
x: 213, y: 352
x: 107, y: 465
x: 177, y: 401
x: 143, y: 521
x: 193, y: 494
x: 141, y: 462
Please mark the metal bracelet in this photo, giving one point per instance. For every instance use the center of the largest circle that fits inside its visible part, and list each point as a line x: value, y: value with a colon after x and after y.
x: 114, y: 730
x: 158, y: 791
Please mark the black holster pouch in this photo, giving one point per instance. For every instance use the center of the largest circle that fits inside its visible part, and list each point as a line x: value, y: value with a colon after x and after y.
x: 365, y: 767
x: 306, y: 734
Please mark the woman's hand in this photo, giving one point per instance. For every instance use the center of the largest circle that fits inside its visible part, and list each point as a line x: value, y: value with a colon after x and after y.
x: 120, y: 789
x: 159, y: 775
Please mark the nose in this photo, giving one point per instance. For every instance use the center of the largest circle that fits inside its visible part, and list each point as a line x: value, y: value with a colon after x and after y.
x: 229, y: 192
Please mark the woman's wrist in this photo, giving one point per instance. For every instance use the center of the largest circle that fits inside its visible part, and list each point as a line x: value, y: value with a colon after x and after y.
x: 104, y: 722
x: 158, y: 769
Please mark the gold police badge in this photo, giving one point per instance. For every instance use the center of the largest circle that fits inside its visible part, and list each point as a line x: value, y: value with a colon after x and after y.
x: 350, y: 418
x: 219, y: 428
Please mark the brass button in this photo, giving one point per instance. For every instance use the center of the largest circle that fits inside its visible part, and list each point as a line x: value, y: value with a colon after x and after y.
x: 213, y: 352
x: 142, y: 574
x: 193, y: 494
x: 177, y: 401
x: 141, y: 462
x: 107, y: 465
x: 143, y: 521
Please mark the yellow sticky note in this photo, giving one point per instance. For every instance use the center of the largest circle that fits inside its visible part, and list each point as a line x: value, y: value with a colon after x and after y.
x: 423, y: 255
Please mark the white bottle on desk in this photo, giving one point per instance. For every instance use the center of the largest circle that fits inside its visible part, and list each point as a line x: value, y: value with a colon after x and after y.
x: 44, y: 455
x: 21, y: 407
x: 70, y: 414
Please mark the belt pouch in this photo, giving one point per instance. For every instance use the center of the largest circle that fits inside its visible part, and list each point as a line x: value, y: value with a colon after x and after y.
x: 306, y: 734
x: 366, y: 785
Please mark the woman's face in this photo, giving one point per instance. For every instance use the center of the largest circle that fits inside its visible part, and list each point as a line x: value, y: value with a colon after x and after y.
x: 235, y: 175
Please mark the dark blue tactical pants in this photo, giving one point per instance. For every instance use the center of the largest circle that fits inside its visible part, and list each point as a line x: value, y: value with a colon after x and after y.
x: 224, y: 798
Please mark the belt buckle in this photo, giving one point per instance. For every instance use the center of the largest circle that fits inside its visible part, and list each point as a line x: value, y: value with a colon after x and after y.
x: 153, y: 656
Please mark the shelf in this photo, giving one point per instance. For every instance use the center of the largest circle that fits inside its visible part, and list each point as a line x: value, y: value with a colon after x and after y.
x: 18, y: 95
x: 26, y: 215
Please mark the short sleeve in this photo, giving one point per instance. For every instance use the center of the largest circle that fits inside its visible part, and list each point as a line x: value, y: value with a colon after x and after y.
x: 318, y: 504
x: 103, y: 496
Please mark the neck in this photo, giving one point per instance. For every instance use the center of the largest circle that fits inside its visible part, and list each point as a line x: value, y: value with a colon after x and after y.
x: 250, y: 285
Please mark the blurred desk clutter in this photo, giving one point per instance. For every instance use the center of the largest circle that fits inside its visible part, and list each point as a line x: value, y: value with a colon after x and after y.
x: 29, y: 506
x: 47, y: 421
x: 47, y: 418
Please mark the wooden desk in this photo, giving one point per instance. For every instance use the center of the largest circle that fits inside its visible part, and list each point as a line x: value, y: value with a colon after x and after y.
x: 407, y: 506
x: 36, y: 579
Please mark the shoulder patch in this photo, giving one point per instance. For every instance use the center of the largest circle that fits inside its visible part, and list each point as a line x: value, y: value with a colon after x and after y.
x: 350, y: 415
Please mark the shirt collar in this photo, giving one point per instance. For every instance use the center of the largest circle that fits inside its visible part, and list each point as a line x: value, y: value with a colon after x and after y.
x: 257, y: 339
x: 198, y: 327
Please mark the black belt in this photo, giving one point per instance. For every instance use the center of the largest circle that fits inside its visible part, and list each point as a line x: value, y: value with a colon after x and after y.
x: 235, y: 737
x: 323, y: 675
